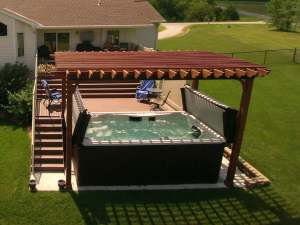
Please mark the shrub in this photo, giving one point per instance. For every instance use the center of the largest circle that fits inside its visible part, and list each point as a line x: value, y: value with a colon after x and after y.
x: 230, y: 13
x: 13, y: 78
x: 20, y: 105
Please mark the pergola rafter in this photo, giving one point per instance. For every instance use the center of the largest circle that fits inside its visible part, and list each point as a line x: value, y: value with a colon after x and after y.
x: 75, y: 68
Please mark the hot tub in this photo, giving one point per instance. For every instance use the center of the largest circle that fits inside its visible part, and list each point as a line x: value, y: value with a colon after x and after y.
x: 147, y: 149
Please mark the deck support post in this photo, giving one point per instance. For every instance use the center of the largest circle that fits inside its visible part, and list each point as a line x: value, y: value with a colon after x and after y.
x: 247, y: 86
x: 69, y: 93
x: 64, y: 95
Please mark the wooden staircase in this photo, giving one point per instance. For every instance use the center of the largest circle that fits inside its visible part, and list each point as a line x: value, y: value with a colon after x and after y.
x: 49, y: 146
x: 48, y: 149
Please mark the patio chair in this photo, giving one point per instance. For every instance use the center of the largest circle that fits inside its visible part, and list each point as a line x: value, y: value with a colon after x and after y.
x: 142, y: 93
x: 52, y: 95
x: 158, y: 106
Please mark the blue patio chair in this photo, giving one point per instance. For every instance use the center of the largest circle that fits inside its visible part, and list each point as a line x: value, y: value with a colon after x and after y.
x: 142, y: 93
x: 51, y: 94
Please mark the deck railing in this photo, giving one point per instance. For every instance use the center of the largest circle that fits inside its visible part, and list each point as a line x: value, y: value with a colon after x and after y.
x: 34, y: 113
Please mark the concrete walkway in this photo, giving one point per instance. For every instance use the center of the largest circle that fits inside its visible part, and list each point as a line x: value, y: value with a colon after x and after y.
x: 176, y: 29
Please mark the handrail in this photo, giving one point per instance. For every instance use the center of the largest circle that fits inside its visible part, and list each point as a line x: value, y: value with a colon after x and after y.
x: 34, y: 107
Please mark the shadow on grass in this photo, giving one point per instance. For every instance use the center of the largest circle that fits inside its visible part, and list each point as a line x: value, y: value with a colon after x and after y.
x: 7, y: 121
x: 259, y: 206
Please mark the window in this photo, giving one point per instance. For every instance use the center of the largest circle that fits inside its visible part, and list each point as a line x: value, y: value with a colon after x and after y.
x: 87, y: 36
x: 50, y: 41
x: 20, y: 40
x: 3, y: 29
x: 57, y: 41
x: 63, y: 42
x: 113, y: 37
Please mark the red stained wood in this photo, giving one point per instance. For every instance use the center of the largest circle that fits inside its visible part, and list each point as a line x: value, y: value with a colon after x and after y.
x: 149, y: 61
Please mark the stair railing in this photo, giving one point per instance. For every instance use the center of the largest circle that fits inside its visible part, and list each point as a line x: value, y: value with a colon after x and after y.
x: 34, y: 114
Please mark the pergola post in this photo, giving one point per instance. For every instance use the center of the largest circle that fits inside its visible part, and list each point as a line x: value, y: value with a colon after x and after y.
x: 69, y: 93
x: 64, y: 94
x: 195, y: 85
x: 247, y: 86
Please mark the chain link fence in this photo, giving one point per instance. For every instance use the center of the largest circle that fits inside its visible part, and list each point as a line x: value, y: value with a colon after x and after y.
x: 271, y: 56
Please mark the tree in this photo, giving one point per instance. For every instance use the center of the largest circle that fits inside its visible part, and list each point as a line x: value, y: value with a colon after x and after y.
x: 285, y: 15
x: 199, y: 10
x: 230, y: 13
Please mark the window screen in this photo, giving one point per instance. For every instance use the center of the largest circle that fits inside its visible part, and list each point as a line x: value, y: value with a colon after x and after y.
x: 113, y: 37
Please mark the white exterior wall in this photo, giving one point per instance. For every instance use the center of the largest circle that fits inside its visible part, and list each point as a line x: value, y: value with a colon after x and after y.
x: 145, y: 36
x: 29, y: 44
x: 7, y: 43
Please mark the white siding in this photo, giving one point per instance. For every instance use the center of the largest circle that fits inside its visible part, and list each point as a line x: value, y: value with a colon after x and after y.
x: 7, y: 45
x: 147, y: 36
x: 29, y: 44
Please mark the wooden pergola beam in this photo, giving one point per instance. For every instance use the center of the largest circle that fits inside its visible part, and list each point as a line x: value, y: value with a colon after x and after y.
x: 137, y: 74
x: 160, y: 74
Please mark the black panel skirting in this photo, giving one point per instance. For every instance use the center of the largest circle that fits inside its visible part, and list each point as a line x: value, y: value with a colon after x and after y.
x: 148, y: 164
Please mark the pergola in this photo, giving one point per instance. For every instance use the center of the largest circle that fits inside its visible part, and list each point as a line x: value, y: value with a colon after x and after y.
x: 89, y: 67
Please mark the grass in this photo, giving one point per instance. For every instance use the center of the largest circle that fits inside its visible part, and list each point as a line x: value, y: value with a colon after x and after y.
x: 271, y: 141
x: 271, y: 144
x: 20, y: 207
x: 247, y: 6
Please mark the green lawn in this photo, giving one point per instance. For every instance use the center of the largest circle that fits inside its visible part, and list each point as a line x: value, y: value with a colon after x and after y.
x: 20, y: 207
x: 272, y: 137
x: 271, y: 144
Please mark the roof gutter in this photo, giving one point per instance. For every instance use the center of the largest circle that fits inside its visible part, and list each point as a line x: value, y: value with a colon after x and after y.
x: 20, y: 17
x: 93, y: 26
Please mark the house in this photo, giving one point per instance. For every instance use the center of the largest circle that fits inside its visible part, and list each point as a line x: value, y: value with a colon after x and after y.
x: 25, y: 25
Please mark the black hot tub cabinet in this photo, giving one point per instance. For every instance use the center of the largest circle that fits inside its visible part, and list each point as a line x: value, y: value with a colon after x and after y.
x: 150, y: 162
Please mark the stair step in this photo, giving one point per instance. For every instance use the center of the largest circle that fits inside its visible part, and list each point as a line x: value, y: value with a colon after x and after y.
x: 48, y: 120
x: 42, y: 90
x: 48, y: 127
x: 48, y: 151
x: 49, y: 159
x: 48, y: 142
x: 48, y: 135
x: 108, y: 95
x: 45, y: 167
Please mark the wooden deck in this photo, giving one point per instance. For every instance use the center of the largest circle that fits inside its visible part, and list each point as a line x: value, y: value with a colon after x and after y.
x: 117, y: 105
x: 54, y: 110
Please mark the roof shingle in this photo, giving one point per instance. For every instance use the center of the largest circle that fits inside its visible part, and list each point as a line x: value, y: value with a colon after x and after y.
x: 67, y: 13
